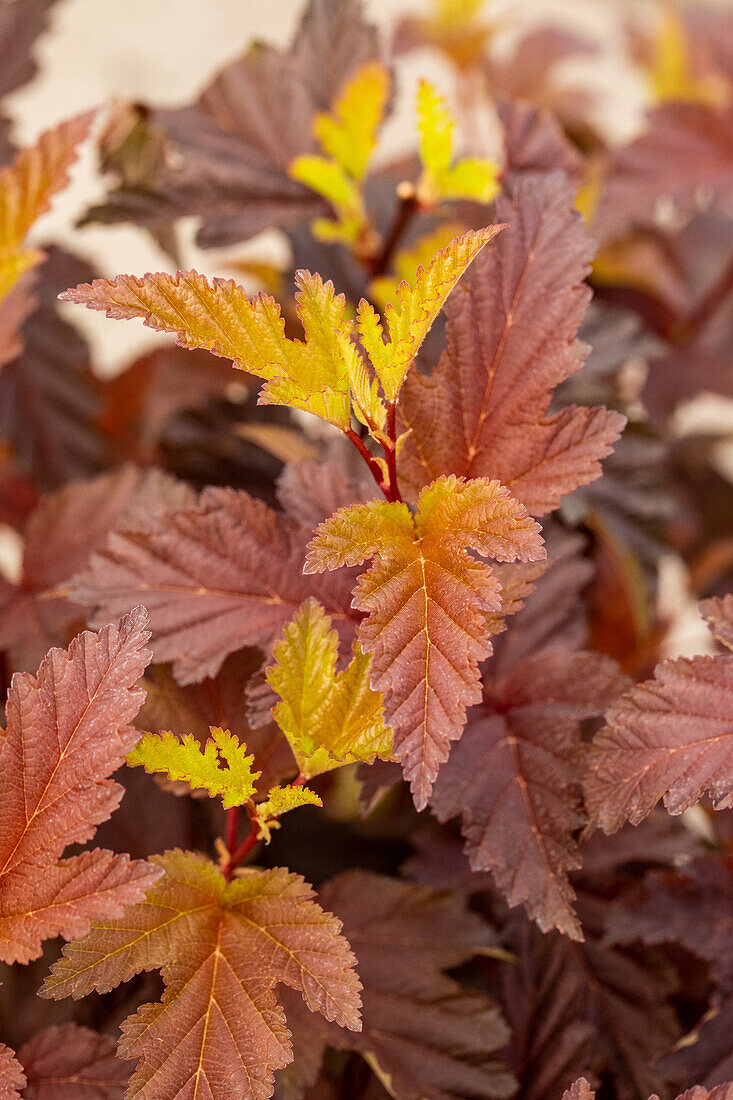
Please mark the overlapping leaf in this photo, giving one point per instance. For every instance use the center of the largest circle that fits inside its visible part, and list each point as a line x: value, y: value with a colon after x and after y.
x: 26, y: 189
x: 669, y: 738
x: 514, y: 778
x: 49, y: 398
x: 67, y: 731
x: 430, y: 1039
x: 410, y: 320
x: 322, y: 375
x: 581, y: 1090
x: 60, y: 535
x: 20, y: 26
x: 219, y: 575
x: 512, y: 327
x: 233, y: 148
x: 221, y: 701
x: 222, y: 948
x: 70, y: 1062
x: 329, y: 718
x: 425, y: 598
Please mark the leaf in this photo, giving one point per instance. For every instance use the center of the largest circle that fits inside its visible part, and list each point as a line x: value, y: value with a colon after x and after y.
x: 330, y: 718
x: 666, y: 738
x: 442, y: 179
x: 222, y: 948
x: 411, y: 318
x: 216, y: 576
x: 67, y: 731
x: 348, y: 133
x: 12, y: 1078
x: 182, y: 759
x: 406, y: 262
x: 26, y: 189
x: 431, y: 1039
x: 19, y: 30
x: 581, y: 1090
x: 232, y: 149
x: 511, y: 334
x: 693, y: 907
x: 424, y: 598
x: 60, y: 535
x: 221, y: 701
x: 534, y: 141
x: 49, y: 397
x: 280, y: 801
x: 73, y: 1062
x: 514, y: 777
x: 683, y: 154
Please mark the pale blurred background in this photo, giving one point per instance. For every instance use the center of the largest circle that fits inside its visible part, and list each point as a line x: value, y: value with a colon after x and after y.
x: 165, y: 51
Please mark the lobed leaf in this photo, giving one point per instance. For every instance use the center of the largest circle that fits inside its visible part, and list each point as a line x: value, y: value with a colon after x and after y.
x: 26, y: 189
x: 280, y: 801
x: 441, y: 178
x: 219, y: 575
x: 411, y: 318
x: 669, y: 738
x: 348, y: 133
x: 511, y: 339
x: 425, y: 600
x: 67, y: 731
x: 222, y: 949
x: 182, y: 759
x: 426, y: 1035
x: 330, y: 718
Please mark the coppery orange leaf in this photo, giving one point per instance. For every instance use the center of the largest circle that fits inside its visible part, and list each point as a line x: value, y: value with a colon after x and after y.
x: 223, y: 948
x: 425, y: 599
x: 67, y: 731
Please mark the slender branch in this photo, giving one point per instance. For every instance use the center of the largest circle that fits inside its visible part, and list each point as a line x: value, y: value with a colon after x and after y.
x: 407, y: 208
x: 390, y: 452
x: 232, y: 822
x: 374, y: 467
x: 239, y: 854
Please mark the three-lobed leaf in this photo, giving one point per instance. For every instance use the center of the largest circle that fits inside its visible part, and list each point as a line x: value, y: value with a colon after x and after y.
x: 322, y: 375
x: 330, y: 718
x: 222, y: 949
x: 442, y: 177
x: 67, y: 731
x: 425, y: 600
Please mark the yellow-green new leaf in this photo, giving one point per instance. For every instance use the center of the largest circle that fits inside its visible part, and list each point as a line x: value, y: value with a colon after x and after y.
x: 349, y: 133
x: 384, y: 288
x: 330, y: 718
x: 279, y: 801
x: 443, y: 180
x: 26, y: 189
x: 219, y: 317
x: 184, y: 760
x: 410, y: 319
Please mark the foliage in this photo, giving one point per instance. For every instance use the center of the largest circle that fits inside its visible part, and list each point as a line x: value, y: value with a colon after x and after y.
x: 417, y: 647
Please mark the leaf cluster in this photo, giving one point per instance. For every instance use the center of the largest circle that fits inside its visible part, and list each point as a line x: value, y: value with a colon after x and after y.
x: 364, y: 581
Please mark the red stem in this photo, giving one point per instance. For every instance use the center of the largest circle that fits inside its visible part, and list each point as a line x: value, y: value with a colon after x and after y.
x: 390, y: 453
x: 403, y: 216
x: 239, y: 854
x: 232, y: 822
x: 374, y: 467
